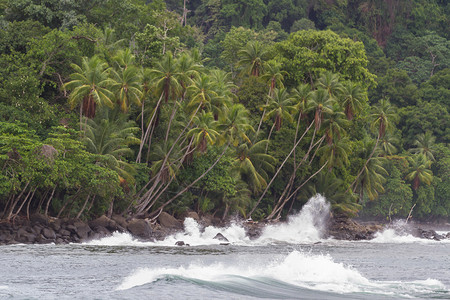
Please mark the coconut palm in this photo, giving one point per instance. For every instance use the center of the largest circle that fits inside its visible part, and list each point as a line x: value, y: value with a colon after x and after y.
x: 321, y: 103
x: 253, y: 164
x: 387, y: 144
x: 351, y: 99
x: 330, y: 82
x: 280, y: 107
x: 127, y: 86
x: 109, y: 134
x: 336, y: 153
x: 252, y: 57
x: 165, y: 74
x: 419, y: 171
x: 204, y: 133
x: 424, y: 144
x: 235, y: 125
x: 89, y: 86
x: 273, y: 75
x: 335, y: 124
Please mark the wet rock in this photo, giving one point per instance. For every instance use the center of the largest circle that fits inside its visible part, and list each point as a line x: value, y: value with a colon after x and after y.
x: 179, y: 243
x: 55, y: 224
x: 224, y: 244
x: 64, y: 233
x: 48, y: 233
x: 105, y: 222
x: 120, y: 220
x: 83, y: 229
x: 102, y: 231
x: 38, y: 218
x: 139, y: 228
x: 430, y: 234
x: 193, y: 215
x: 220, y: 237
x: 168, y: 221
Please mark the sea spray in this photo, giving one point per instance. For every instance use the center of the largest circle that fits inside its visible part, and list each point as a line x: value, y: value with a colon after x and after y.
x: 306, y: 227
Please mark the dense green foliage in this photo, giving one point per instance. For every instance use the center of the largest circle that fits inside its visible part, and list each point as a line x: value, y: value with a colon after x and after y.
x: 224, y: 107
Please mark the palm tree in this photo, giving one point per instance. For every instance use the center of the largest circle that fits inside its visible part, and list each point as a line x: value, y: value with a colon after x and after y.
x: 335, y: 124
x: 383, y: 115
x: 89, y: 86
x: 281, y: 107
x: 330, y: 187
x: 322, y: 104
x: 202, y: 92
x: 188, y: 69
x: 425, y: 145
x: 387, y: 144
x: 252, y: 163
x: 251, y: 58
x: 204, y: 133
x: 336, y: 153
x: 330, y: 82
x: 351, y: 99
x: 273, y: 75
x: 127, y: 86
x: 109, y: 134
x: 419, y: 171
x: 165, y: 75
x: 235, y: 125
x: 123, y: 59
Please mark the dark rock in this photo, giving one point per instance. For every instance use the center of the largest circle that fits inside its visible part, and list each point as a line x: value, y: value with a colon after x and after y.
x: 193, y: 215
x: 105, y: 222
x: 37, y: 229
x: 224, y: 244
x: 55, y: 224
x: 220, y: 237
x: 48, y: 233
x: 102, y: 231
x: 168, y: 221
x: 83, y: 229
x: 38, y: 218
x: 430, y: 234
x: 71, y: 228
x: 179, y: 243
x: 24, y: 236
x: 120, y: 220
x: 64, y: 232
x: 139, y: 228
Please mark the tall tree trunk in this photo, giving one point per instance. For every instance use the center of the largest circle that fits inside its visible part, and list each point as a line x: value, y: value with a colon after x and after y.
x: 49, y: 200
x: 84, y: 206
x: 278, y: 171
x: 195, y: 181
x: 141, y: 146
x: 278, y: 210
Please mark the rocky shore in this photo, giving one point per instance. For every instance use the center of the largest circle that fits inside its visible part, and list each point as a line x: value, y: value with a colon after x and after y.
x: 40, y: 229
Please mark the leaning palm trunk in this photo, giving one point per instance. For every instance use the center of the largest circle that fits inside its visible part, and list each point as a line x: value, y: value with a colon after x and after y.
x: 27, y: 198
x: 150, y: 124
x: 280, y: 208
x: 172, y: 116
x: 9, y: 212
x: 159, y: 190
x: 149, y: 195
x: 278, y: 171
x: 291, y: 181
x: 193, y: 182
x: 262, y: 117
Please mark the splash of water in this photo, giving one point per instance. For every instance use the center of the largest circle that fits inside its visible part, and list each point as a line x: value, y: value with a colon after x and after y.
x: 306, y: 227
x: 297, y: 269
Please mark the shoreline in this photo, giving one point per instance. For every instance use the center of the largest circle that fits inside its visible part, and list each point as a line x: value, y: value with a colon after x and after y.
x: 45, y: 230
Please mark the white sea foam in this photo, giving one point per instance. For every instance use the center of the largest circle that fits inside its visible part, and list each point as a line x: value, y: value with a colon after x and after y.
x: 305, y: 227
x: 300, y: 269
x: 311, y: 271
x: 3, y: 287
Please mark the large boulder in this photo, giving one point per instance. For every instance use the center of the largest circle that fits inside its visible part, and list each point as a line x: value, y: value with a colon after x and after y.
x: 193, y: 215
x: 82, y: 229
x: 105, y: 222
x: 220, y: 237
x: 139, y: 228
x: 48, y: 233
x: 38, y: 218
x: 120, y: 220
x: 168, y: 221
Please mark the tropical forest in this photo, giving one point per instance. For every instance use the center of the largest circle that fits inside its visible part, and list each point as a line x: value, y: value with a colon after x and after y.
x: 233, y: 108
